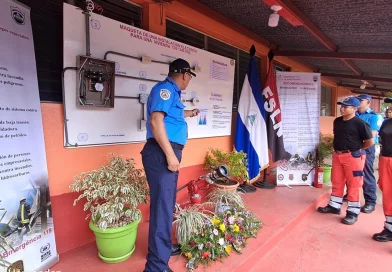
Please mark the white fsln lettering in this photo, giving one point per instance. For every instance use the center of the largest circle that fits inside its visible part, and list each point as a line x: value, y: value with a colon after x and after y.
x: 269, y: 106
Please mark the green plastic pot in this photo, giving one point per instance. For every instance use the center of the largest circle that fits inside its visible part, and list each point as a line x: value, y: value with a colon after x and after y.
x: 327, y: 173
x: 115, y: 245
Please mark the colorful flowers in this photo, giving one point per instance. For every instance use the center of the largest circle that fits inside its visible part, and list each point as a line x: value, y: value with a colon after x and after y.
x: 228, y: 249
x: 215, y: 221
x: 219, y: 236
x: 205, y: 254
x: 222, y: 227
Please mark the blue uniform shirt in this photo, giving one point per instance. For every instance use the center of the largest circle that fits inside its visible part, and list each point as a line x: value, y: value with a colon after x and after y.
x: 373, y: 119
x: 165, y: 97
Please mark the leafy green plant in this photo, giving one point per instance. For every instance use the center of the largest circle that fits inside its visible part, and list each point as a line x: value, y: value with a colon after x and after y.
x: 231, y: 198
x: 235, y: 161
x: 189, y: 218
x: 112, y: 193
x: 324, y: 149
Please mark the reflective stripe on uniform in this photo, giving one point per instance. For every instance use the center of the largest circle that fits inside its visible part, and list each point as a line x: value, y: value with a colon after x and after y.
x: 23, y: 220
x: 388, y: 226
x: 337, y: 199
x: 335, y: 205
x: 354, y: 207
x: 389, y: 219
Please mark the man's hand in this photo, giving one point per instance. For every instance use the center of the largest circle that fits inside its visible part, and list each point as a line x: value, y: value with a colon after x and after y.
x: 195, y: 112
x: 172, y: 163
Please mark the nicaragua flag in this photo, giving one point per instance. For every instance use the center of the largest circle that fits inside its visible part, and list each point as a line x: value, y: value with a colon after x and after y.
x: 251, y: 131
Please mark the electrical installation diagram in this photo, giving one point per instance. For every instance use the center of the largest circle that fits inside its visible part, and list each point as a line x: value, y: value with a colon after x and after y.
x: 109, y: 73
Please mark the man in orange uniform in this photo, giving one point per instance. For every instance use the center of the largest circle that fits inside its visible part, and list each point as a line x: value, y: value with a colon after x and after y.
x: 351, y: 134
x: 385, y: 180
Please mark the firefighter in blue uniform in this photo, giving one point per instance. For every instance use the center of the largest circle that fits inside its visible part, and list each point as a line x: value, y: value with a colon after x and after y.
x: 374, y: 120
x: 167, y: 133
x: 23, y: 215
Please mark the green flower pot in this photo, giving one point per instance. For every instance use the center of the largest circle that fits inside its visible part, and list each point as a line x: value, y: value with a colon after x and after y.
x: 327, y: 173
x: 117, y: 244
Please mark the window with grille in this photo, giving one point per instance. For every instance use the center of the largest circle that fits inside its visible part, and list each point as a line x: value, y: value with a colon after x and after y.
x: 191, y: 37
x: 326, y: 101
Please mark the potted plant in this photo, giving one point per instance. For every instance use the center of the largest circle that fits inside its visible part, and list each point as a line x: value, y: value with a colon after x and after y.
x: 324, y: 151
x: 236, y: 163
x: 112, y: 194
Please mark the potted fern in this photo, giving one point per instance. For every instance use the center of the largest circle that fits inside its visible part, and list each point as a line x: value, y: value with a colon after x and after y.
x: 112, y: 194
x: 236, y: 163
x: 324, y: 151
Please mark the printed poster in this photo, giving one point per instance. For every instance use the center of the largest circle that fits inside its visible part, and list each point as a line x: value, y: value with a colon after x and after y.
x: 299, y: 95
x: 26, y: 226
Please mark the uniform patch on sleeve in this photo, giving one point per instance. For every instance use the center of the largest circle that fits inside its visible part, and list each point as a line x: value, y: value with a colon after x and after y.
x: 165, y: 94
x: 379, y: 122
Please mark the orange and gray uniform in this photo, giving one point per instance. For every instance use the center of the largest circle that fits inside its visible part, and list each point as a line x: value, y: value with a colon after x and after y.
x: 23, y: 214
x: 348, y: 162
x: 385, y: 171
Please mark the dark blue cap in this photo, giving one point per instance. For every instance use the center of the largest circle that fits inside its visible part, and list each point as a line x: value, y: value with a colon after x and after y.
x: 180, y: 66
x: 388, y: 100
x: 364, y: 97
x: 350, y: 101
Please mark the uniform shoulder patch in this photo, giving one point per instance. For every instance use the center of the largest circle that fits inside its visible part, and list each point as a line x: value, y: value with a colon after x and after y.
x: 165, y: 94
x: 379, y: 122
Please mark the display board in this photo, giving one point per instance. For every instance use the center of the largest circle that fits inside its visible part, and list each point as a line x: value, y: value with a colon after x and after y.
x: 27, y: 232
x: 299, y: 95
x: 86, y: 126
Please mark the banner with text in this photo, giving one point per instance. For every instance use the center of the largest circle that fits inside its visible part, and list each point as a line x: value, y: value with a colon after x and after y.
x: 26, y: 227
x: 299, y: 95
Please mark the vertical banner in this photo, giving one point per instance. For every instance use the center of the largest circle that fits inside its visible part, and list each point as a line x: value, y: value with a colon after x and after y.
x: 299, y: 95
x: 26, y: 227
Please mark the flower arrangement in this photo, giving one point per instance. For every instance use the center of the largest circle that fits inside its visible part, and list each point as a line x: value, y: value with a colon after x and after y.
x: 219, y: 236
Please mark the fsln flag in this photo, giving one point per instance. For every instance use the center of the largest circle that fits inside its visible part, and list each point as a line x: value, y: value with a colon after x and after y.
x: 274, y: 118
x: 251, y: 131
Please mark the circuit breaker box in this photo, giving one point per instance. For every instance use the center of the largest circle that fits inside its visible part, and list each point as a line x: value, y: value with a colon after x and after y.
x: 95, y: 84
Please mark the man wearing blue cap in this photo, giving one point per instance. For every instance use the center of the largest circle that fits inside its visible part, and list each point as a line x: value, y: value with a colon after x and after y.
x: 351, y: 134
x: 374, y: 120
x: 167, y: 133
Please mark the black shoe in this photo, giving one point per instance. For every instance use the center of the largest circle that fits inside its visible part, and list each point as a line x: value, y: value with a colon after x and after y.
x: 328, y: 209
x: 345, y: 198
x: 176, y: 250
x: 168, y: 270
x: 349, y: 219
x: 264, y: 185
x: 384, y: 236
x: 368, y: 208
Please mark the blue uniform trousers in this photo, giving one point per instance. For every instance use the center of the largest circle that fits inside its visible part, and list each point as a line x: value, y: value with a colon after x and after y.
x: 163, y: 186
x: 369, y: 181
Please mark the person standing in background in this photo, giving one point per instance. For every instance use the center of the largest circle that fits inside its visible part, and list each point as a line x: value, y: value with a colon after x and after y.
x: 388, y: 112
x: 385, y: 178
x: 374, y: 120
x: 351, y: 135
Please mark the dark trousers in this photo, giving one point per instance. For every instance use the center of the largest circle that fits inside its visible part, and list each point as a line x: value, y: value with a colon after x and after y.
x: 163, y: 186
x: 369, y: 181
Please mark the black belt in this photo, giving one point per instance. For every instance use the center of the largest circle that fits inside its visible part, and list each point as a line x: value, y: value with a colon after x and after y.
x: 339, y: 152
x: 174, y: 145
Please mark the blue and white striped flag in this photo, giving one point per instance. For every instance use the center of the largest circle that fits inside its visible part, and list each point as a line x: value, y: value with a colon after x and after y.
x: 251, y: 130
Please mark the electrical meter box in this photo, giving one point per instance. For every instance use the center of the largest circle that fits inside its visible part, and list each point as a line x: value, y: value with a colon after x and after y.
x: 95, y: 82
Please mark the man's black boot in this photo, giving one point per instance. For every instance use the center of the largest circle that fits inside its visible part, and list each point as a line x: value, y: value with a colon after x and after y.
x: 176, y: 250
x: 350, y: 219
x: 328, y: 209
x: 384, y: 236
x: 368, y: 208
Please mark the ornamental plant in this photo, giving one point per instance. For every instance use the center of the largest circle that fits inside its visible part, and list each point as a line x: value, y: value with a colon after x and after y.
x: 112, y: 192
x: 235, y: 161
x: 219, y: 236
